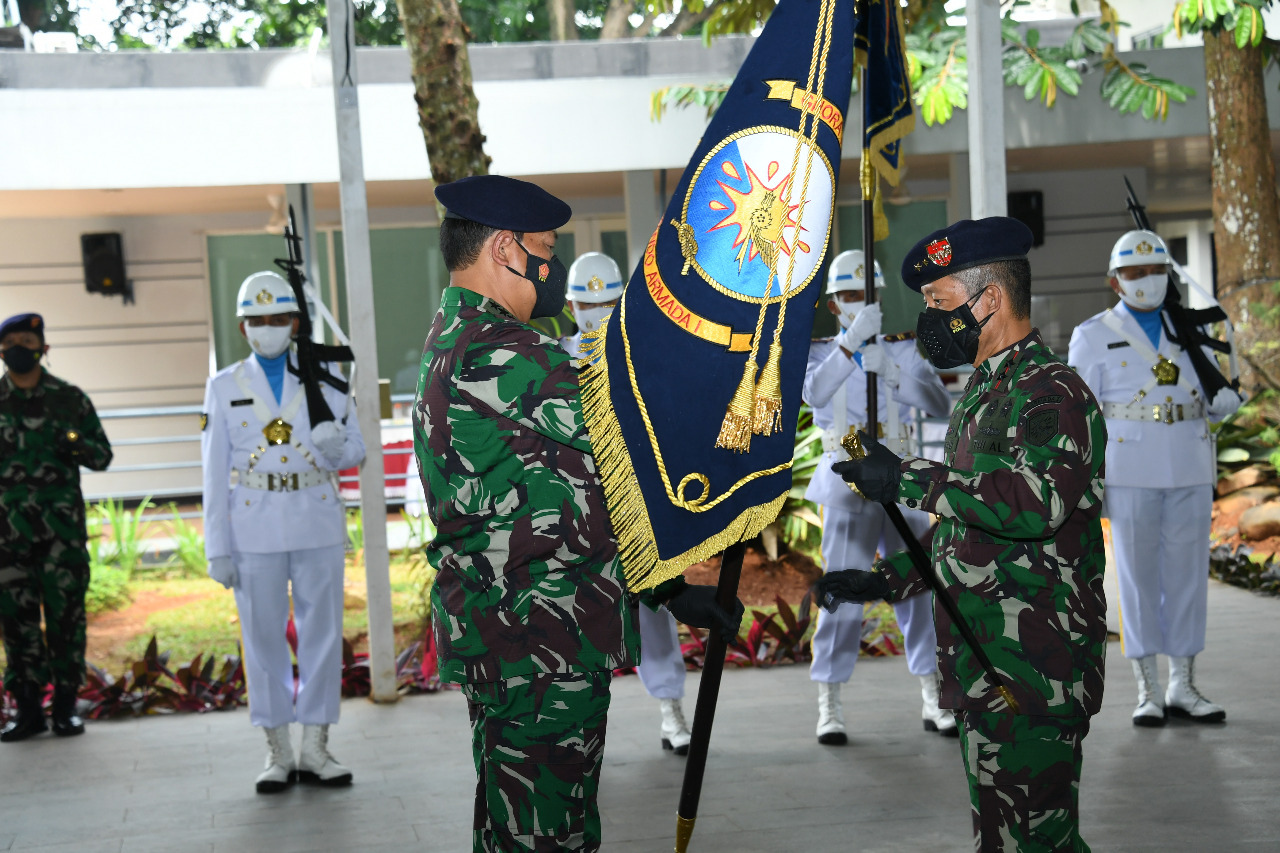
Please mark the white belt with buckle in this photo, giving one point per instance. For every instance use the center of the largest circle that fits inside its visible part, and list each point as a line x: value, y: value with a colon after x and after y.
x: 281, y: 482
x: 1165, y: 413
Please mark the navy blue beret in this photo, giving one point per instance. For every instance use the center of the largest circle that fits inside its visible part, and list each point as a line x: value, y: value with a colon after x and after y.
x: 507, y: 204
x: 23, y: 323
x: 962, y: 245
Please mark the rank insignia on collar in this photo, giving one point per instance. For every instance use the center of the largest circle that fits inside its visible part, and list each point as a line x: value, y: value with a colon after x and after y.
x: 939, y: 251
x: 204, y: 421
x: 1166, y: 371
x: 278, y: 432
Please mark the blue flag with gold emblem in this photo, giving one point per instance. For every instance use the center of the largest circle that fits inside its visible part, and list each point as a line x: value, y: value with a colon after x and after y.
x: 691, y: 390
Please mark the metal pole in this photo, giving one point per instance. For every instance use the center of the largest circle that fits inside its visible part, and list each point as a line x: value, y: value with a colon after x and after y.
x: 704, y: 713
x: 359, y: 270
x: 987, y: 185
x: 868, y: 182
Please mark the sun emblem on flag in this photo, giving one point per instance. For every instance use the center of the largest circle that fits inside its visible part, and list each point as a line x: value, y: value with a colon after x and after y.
x: 760, y: 215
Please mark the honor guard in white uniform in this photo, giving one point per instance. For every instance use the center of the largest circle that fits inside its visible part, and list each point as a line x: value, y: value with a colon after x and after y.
x: 1161, y: 467
x: 853, y: 529
x: 274, y: 524
x: 595, y: 285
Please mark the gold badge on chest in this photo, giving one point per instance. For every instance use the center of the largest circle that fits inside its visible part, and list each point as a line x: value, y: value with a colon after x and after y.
x: 278, y: 432
x: 1166, y: 371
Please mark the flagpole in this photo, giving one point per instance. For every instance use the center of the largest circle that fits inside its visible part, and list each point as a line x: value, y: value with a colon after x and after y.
x: 868, y: 182
x: 708, y: 694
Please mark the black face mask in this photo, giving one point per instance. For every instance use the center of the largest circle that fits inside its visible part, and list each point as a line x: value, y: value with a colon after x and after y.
x: 21, y: 359
x: 550, y: 280
x: 950, y: 337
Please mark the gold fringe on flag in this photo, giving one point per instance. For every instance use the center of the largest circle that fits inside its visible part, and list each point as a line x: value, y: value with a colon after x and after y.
x: 768, y: 408
x: 627, y: 511
x: 735, y: 431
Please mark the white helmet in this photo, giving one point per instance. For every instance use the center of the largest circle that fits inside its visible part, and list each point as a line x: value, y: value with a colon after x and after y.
x: 265, y: 293
x: 594, y: 278
x: 1138, y: 249
x: 848, y: 272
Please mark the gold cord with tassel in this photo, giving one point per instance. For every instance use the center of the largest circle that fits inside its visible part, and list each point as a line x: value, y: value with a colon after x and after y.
x: 768, y: 407
x: 735, y: 431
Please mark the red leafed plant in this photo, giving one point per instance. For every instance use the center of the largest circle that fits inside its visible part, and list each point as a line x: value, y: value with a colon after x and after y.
x: 148, y: 686
x: 789, y: 637
x: 417, y: 670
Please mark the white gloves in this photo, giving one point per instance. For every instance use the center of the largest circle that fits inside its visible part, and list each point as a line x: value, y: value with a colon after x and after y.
x: 1224, y: 403
x: 865, y: 325
x: 329, y: 438
x: 875, y: 359
x: 224, y: 571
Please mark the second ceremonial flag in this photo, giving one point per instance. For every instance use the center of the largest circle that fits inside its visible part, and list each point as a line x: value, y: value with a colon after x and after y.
x: 692, y: 389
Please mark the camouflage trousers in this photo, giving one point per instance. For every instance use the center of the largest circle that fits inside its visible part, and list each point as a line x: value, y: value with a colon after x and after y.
x: 538, y: 743
x: 1024, y: 781
x: 52, y: 574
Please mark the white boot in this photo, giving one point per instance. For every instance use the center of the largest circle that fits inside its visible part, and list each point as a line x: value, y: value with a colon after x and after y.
x: 1184, y: 700
x: 315, y: 764
x: 936, y: 719
x: 831, y: 731
x: 675, y: 731
x: 1150, y: 710
x: 280, y: 767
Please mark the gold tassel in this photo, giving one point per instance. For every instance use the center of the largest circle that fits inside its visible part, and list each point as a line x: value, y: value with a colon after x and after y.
x: 735, y: 431
x: 877, y: 214
x: 768, y: 408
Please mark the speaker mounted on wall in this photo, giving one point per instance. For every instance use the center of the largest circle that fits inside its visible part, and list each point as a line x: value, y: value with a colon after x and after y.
x: 1027, y: 206
x: 103, y: 258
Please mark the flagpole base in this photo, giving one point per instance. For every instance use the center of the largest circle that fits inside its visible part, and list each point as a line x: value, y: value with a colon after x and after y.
x: 684, y: 832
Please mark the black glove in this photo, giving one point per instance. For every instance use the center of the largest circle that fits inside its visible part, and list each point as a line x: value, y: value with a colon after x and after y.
x: 696, y: 606
x: 877, y: 475
x: 835, y: 588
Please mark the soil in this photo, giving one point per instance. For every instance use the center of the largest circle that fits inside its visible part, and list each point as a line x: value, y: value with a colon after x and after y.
x: 1225, y: 531
x: 790, y: 576
x: 108, y: 632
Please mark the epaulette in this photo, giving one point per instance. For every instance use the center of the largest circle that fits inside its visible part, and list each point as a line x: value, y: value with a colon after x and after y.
x: 901, y: 336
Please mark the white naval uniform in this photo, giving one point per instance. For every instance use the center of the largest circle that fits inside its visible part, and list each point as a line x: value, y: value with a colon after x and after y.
x: 853, y: 529
x: 279, y: 538
x: 661, y: 669
x: 1159, y: 482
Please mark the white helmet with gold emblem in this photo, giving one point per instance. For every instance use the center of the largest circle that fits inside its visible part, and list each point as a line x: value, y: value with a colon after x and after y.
x: 1138, y: 249
x: 594, y: 278
x: 849, y: 272
x: 265, y: 293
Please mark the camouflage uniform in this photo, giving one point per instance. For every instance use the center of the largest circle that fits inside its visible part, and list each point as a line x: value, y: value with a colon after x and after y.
x: 1019, y: 548
x: 529, y: 605
x: 43, y: 560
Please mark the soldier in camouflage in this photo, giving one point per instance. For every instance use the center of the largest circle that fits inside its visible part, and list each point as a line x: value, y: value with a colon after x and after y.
x: 48, y: 429
x: 530, y: 607
x: 1019, y: 539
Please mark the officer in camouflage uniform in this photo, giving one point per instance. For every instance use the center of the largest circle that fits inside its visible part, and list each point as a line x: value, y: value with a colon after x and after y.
x: 48, y: 429
x: 530, y: 607
x: 1019, y: 539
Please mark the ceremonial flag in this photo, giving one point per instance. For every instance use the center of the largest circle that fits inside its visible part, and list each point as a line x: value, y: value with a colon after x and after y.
x: 691, y: 390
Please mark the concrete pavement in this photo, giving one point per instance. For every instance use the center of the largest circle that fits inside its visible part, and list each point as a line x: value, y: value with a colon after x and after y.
x: 185, y: 783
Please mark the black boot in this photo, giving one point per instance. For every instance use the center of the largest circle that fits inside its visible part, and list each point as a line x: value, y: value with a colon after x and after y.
x: 30, y: 719
x: 65, y: 721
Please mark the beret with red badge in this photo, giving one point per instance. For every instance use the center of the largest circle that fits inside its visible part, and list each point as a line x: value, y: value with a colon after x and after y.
x: 963, y: 245
x: 508, y: 204
x: 29, y: 322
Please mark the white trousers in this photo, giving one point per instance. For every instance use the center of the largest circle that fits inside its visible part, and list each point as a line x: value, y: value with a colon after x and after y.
x: 850, y: 541
x: 1160, y: 541
x: 262, y: 597
x: 661, y: 668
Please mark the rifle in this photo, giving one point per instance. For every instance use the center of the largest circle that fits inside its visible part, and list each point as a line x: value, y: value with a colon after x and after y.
x: 1186, y: 322
x: 311, y: 355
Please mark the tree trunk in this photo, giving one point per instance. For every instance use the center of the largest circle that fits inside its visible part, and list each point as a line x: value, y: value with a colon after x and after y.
x: 617, y: 24
x: 1245, y: 206
x: 563, y: 25
x: 447, y: 106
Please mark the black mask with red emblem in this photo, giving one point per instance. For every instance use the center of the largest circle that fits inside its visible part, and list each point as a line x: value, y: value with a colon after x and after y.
x: 550, y: 280
x: 950, y: 337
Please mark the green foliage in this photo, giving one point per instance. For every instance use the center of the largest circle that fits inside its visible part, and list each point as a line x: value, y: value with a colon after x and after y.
x: 355, y: 532
x: 108, y: 588
x: 678, y: 97
x: 245, y: 23
x: 125, y: 547
x: 188, y: 546
x: 799, y: 520
x: 937, y: 65
x: 1250, y: 436
x: 1243, y: 18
